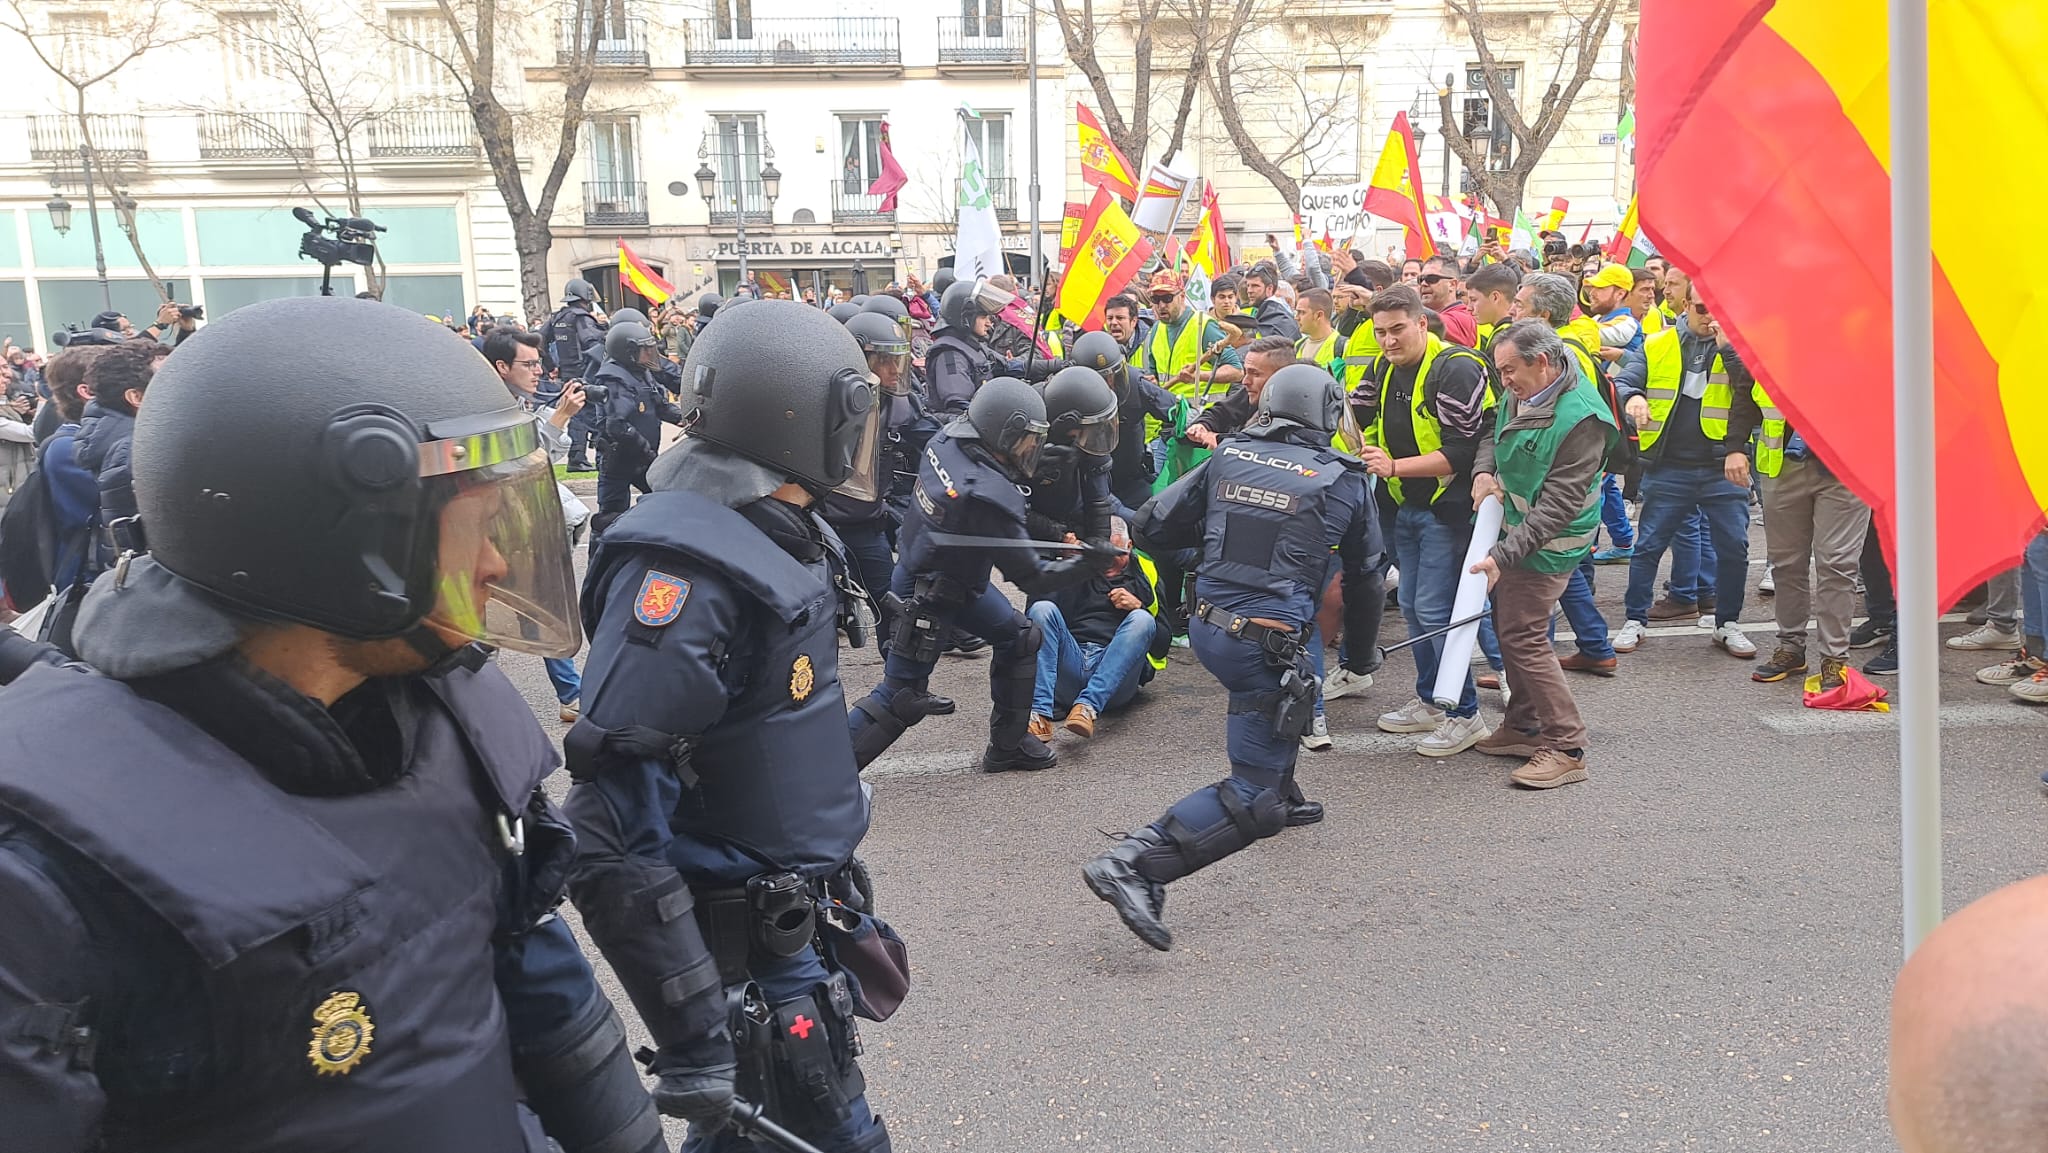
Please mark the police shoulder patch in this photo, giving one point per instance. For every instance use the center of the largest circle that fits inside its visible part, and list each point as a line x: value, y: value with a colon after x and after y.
x: 342, y: 1032
x: 660, y: 598
x: 802, y: 678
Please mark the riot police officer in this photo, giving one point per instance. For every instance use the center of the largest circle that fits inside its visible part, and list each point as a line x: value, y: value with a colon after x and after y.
x: 1070, y: 485
x: 633, y: 409
x: 972, y: 484
x: 712, y: 770
x: 322, y: 918
x: 958, y: 362
x: 1268, y: 508
x: 844, y: 311
x: 572, y: 342
x: 667, y: 373
x: 1131, y: 467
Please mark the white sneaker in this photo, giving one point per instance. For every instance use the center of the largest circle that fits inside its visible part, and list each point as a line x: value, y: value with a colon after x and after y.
x: 1987, y: 638
x: 2033, y: 690
x: 1706, y: 621
x: 1413, y: 717
x: 1317, y: 738
x: 1342, y: 682
x: 1393, y: 578
x: 1729, y: 637
x: 1767, y: 586
x: 1627, y: 637
x: 1453, y: 736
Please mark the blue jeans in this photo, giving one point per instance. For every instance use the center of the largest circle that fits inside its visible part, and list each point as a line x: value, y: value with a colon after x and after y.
x: 1614, y: 513
x: 1671, y: 496
x: 1693, y: 562
x: 2034, y: 593
x: 1578, y: 608
x: 1489, y: 641
x: 1429, y: 553
x: 562, y: 674
x: 1103, y: 677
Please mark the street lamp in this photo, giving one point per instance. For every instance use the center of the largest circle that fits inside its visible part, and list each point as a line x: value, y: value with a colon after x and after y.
x: 60, y: 220
x: 708, y: 187
x: 1443, y: 99
x: 60, y: 213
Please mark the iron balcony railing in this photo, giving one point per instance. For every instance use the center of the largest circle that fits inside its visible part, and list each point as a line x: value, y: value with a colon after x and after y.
x: 796, y: 43
x: 851, y: 204
x: 614, y: 202
x: 1002, y: 192
x: 982, y: 39
x: 115, y: 136
x: 255, y: 136
x: 749, y: 193
x: 432, y: 133
x: 620, y: 43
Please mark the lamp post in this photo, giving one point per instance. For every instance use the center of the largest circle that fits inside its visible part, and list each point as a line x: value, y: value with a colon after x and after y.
x: 1443, y: 95
x: 771, y: 188
x: 60, y: 222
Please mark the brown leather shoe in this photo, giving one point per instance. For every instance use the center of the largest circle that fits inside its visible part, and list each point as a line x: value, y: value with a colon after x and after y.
x: 1506, y: 742
x: 1040, y: 727
x: 1671, y: 609
x: 1581, y: 663
x: 1081, y: 721
x: 1548, y: 769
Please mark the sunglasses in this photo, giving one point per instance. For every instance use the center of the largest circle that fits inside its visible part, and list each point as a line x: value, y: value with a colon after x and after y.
x: 1434, y: 278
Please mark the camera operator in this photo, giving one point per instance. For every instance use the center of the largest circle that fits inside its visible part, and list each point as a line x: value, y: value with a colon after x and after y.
x: 174, y: 322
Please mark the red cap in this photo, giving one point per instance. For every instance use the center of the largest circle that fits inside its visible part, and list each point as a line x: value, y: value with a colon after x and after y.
x: 1165, y: 281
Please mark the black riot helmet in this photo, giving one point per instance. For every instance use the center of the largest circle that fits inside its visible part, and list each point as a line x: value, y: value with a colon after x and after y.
x: 633, y: 314
x: 578, y: 289
x: 1305, y: 395
x: 625, y: 340
x: 1101, y: 352
x: 943, y: 279
x: 782, y: 385
x: 858, y: 299
x: 888, y: 350
x: 1008, y: 417
x: 707, y: 305
x: 968, y: 301
x: 844, y: 311
x: 351, y: 498
x: 1080, y: 408
x: 888, y: 306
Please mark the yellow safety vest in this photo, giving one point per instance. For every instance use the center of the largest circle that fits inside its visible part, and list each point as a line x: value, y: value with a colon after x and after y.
x: 1655, y: 322
x: 1359, y: 352
x: 1482, y: 339
x: 1321, y: 352
x: 1151, y: 572
x: 1429, y: 433
x: 1168, y: 354
x: 1667, y: 378
x: 1770, y: 439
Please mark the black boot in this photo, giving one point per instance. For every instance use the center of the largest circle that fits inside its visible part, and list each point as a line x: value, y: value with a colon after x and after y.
x: 928, y: 703
x: 1300, y: 810
x: 1114, y: 877
x: 1030, y: 754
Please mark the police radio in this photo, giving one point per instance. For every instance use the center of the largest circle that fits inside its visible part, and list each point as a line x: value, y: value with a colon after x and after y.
x: 354, y: 242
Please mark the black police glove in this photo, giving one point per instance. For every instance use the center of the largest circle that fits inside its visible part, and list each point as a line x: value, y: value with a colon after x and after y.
x: 695, y: 1081
x: 853, y: 887
x: 1102, y: 554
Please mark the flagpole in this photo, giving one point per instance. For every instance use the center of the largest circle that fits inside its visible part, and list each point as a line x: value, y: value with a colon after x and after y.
x: 1031, y: 76
x: 1914, y: 475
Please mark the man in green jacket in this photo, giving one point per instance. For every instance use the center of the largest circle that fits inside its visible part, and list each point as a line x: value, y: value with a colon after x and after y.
x: 1552, y: 435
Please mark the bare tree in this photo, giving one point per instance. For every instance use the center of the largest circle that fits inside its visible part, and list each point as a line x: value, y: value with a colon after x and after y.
x: 1189, y: 28
x: 1578, y: 51
x: 1270, y: 109
x: 89, y: 50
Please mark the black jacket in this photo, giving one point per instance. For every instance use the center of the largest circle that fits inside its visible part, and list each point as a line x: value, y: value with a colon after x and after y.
x: 1086, y: 608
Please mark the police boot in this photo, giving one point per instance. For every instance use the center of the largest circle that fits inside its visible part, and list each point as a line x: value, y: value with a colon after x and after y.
x: 1029, y: 753
x: 1300, y: 810
x: 1115, y: 878
x: 1011, y: 676
x: 877, y: 719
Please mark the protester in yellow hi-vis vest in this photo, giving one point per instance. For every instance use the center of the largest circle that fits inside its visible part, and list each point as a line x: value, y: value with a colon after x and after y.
x: 1680, y: 394
x: 1319, y: 343
x: 1099, y: 639
x: 1352, y: 296
x: 1813, y: 532
x: 1424, y: 407
x: 1188, y: 353
x: 1491, y: 293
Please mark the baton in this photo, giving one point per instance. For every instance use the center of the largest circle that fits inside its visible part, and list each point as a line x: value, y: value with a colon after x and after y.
x: 957, y: 540
x: 1416, y: 640
x: 749, y: 1122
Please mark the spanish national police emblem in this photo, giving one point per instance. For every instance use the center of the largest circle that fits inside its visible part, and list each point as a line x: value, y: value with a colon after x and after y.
x: 341, y: 1034
x: 661, y: 598
x: 801, y: 679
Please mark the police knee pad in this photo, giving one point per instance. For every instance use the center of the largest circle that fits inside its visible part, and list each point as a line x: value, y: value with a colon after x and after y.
x: 796, y: 1058
x: 580, y: 1080
x: 875, y: 724
x: 640, y: 915
x: 1186, y: 850
x: 1012, y: 675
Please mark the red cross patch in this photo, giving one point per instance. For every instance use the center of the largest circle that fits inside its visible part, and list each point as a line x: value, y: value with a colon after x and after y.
x: 803, y: 1027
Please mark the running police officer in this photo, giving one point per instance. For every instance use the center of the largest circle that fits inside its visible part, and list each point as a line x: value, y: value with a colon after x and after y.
x: 972, y: 484
x: 322, y: 918
x: 1268, y: 509
x: 634, y: 405
x: 1070, y: 484
x: 1131, y: 468
x: 573, y: 342
x: 712, y: 767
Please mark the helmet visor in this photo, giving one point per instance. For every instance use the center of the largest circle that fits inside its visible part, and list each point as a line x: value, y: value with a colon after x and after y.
x: 990, y: 299
x: 890, y: 362
x: 855, y: 446
x: 505, y: 574
x: 1350, y: 438
x: 1097, y: 434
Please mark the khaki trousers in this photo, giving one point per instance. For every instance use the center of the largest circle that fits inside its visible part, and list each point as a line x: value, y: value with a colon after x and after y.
x: 1812, y: 520
x: 1541, y: 701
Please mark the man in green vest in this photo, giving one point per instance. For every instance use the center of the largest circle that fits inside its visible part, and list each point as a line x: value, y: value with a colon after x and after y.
x: 1552, y: 434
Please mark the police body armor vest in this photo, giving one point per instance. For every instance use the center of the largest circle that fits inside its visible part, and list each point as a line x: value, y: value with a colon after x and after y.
x: 775, y: 775
x: 957, y: 493
x: 342, y: 993
x: 560, y: 333
x: 644, y: 413
x: 950, y: 346
x: 1264, y: 528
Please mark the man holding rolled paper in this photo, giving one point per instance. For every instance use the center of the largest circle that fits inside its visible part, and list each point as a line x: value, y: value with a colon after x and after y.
x: 1552, y: 436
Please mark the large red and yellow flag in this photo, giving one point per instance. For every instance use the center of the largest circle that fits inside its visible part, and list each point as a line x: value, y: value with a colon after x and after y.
x: 1209, y: 250
x: 635, y: 276
x: 1396, y: 192
x: 1763, y: 137
x: 1624, y: 240
x: 1102, y: 165
x: 1109, y: 253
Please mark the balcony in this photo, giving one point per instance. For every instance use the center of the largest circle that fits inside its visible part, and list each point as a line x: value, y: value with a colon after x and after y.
x: 255, y: 136
x: 115, y: 138
x: 753, y: 196
x: 829, y: 45
x: 446, y: 134
x: 608, y: 203
x: 969, y: 42
x: 621, y: 44
x: 851, y: 204
x: 1002, y: 191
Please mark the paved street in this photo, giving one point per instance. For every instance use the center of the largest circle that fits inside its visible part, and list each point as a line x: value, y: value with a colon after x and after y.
x: 1693, y: 950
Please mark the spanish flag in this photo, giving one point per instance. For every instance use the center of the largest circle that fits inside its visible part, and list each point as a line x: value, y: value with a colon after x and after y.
x: 1209, y: 249
x: 1396, y: 191
x: 1624, y: 241
x: 1109, y: 253
x: 1070, y: 230
x: 1101, y: 164
x: 635, y: 276
x: 1762, y: 151
x: 1558, y: 207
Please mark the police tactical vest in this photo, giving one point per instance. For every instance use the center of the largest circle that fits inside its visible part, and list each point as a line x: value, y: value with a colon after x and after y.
x: 1429, y: 432
x: 1666, y: 356
x: 956, y: 493
x: 633, y: 397
x: 962, y: 351
x: 1770, y: 435
x: 775, y: 775
x: 1522, y: 460
x: 340, y: 946
x: 1264, y: 526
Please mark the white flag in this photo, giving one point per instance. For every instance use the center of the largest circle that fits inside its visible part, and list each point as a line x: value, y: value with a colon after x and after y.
x: 978, y: 248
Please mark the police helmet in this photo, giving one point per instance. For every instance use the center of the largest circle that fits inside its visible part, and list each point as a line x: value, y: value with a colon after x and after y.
x: 1081, y: 409
x: 625, y: 339
x: 1101, y: 352
x: 888, y: 306
x: 844, y: 311
x: 858, y: 298
x: 1305, y: 394
x: 784, y: 386
x: 707, y: 305
x: 578, y: 289
x: 968, y: 301
x: 888, y: 350
x: 351, y: 499
x: 620, y: 316
x: 943, y: 279
x: 1008, y: 416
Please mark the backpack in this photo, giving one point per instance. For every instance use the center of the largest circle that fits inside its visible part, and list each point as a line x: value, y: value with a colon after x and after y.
x: 31, y: 547
x: 1626, y: 450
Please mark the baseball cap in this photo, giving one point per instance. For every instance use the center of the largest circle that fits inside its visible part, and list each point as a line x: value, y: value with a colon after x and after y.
x: 108, y: 319
x: 1165, y: 282
x: 1612, y: 276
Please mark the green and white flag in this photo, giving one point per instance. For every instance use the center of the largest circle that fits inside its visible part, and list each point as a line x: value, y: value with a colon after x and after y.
x: 1524, y: 234
x: 978, y: 246
x: 1198, y: 288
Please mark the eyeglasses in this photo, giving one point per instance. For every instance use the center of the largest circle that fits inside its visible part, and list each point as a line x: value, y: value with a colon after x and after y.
x: 1434, y: 278
x: 534, y: 363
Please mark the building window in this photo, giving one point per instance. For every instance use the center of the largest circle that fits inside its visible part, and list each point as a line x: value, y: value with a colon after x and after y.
x: 860, y: 151
x: 732, y: 19
x: 991, y: 136
x: 739, y: 147
x: 250, y: 41
x: 613, y: 157
x: 423, y: 48
x: 81, y: 41
x: 1483, y: 120
x: 981, y: 18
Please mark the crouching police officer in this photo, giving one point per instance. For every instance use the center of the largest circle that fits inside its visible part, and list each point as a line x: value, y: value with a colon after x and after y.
x: 275, y: 870
x: 713, y: 772
x: 634, y: 407
x: 1268, y: 508
x: 972, y: 485
x: 1070, y: 484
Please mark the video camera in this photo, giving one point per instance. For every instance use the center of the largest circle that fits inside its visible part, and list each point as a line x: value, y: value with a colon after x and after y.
x: 72, y: 336
x: 354, y: 242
